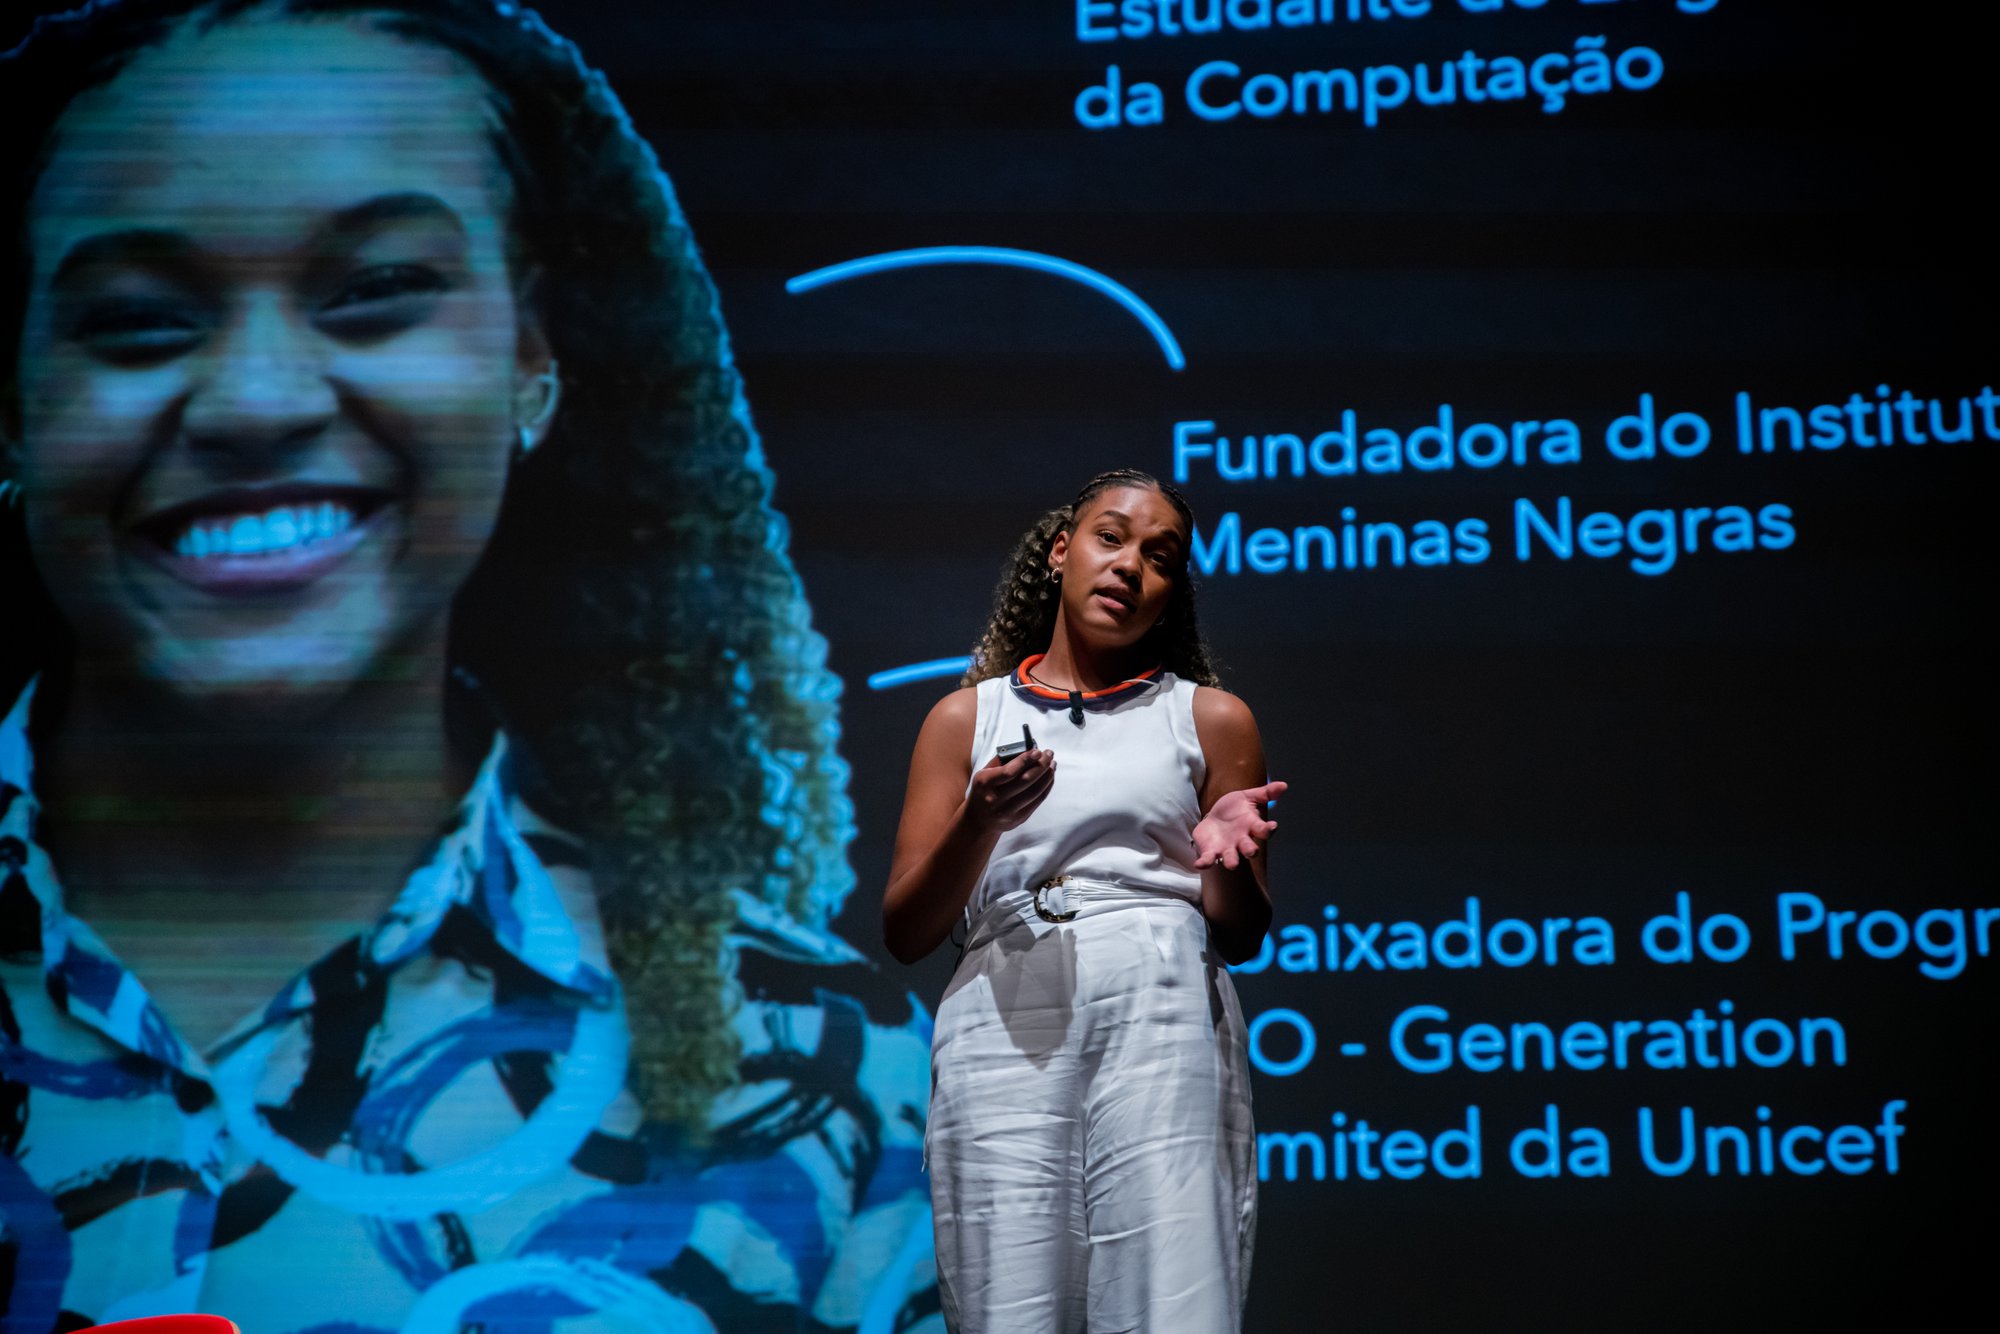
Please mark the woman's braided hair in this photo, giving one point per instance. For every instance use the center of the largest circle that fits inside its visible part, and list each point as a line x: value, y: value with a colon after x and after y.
x: 1025, y: 601
x: 635, y: 623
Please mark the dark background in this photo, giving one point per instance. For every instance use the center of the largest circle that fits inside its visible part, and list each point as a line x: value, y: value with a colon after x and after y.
x: 1797, y: 210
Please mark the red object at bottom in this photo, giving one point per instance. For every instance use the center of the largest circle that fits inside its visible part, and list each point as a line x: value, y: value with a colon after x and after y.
x: 168, y: 1324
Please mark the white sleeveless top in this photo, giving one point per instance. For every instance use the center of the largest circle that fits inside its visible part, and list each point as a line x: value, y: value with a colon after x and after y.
x: 1127, y: 789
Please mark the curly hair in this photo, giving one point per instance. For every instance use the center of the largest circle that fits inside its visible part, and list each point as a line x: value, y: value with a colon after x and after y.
x: 686, y: 727
x: 1026, y: 599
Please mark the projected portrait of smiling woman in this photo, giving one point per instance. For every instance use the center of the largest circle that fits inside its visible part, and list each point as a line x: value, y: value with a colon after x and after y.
x: 419, y: 806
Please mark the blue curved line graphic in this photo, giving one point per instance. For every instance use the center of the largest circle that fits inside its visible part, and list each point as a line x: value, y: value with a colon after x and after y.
x: 1002, y: 255
x: 917, y: 671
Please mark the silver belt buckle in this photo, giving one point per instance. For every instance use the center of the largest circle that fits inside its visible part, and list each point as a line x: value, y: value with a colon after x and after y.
x: 1065, y: 912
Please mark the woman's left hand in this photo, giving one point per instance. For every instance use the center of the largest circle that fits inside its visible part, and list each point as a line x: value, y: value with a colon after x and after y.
x: 1233, y: 830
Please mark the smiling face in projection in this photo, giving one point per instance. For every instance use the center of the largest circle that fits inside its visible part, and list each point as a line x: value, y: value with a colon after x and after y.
x: 270, y: 357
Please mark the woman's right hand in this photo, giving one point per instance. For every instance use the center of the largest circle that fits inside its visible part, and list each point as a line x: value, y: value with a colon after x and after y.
x: 953, y: 815
x: 1005, y: 793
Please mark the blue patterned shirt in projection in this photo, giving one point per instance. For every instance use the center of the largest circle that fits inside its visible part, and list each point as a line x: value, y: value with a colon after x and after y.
x: 429, y: 1130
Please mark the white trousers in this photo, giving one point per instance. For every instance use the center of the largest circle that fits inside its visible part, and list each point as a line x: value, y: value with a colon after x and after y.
x: 1090, y: 1145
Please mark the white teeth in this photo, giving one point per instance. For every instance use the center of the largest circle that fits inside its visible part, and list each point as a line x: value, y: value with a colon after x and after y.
x: 275, y: 530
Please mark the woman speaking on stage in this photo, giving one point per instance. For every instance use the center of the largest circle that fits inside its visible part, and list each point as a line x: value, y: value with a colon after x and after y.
x: 1090, y: 805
